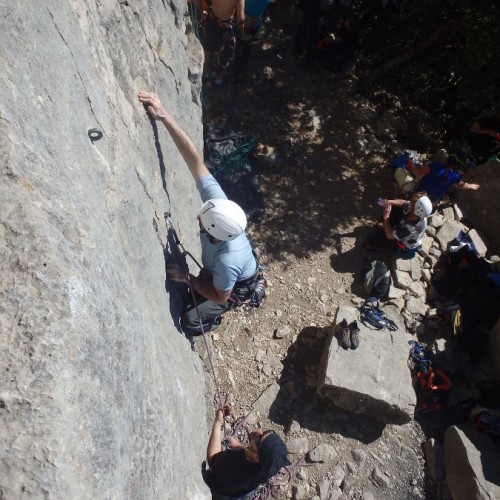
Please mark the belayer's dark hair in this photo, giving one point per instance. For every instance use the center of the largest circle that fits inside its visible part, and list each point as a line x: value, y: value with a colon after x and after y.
x: 273, y: 455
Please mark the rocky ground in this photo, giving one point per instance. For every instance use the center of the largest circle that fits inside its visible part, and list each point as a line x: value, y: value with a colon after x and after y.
x: 323, y: 153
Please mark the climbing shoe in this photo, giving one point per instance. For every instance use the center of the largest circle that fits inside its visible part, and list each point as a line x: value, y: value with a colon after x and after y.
x: 344, y: 335
x: 354, y: 329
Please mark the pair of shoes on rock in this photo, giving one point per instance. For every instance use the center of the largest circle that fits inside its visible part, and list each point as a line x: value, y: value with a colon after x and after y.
x: 349, y: 335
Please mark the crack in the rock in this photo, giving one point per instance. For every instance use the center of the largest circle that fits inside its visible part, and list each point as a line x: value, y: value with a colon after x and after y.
x: 77, y: 70
x: 143, y: 184
x: 156, y: 52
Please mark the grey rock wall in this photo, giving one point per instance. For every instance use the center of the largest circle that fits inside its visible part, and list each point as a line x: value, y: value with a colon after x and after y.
x: 100, y: 395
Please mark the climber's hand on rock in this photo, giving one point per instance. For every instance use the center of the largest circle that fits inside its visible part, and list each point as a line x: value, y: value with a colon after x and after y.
x: 152, y: 104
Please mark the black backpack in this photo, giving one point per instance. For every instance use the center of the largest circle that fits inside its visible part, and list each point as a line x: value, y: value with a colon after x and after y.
x: 376, y: 279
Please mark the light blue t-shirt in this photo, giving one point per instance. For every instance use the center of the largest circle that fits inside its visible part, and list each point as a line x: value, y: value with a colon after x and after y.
x: 227, y: 261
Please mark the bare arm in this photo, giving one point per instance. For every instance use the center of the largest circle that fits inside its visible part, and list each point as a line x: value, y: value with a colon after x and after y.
x: 207, y: 290
x: 466, y: 185
x: 234, y: 443
x: 240, y: 12
x: 183, y: 142
x: 475, y: 128
x: 395, y: 203
x: 214, y: 443
x: 202, y: 286
x: 387, y: 225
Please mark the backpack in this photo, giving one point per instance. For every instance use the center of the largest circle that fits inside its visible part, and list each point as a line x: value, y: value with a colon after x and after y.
x: 376, y: 279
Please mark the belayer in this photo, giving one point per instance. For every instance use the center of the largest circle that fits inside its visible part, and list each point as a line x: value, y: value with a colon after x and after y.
x: 236, y: 472
x: 230, y: 273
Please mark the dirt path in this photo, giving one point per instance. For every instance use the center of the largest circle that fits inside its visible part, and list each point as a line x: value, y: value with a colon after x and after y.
x: 319, y: 188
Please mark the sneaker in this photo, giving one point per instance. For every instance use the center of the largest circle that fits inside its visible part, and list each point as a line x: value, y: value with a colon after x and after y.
x: 354, y: 329
x: 345, y: 335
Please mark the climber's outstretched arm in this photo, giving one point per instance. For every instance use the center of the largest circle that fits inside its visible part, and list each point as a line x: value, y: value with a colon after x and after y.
x: 183, y: 142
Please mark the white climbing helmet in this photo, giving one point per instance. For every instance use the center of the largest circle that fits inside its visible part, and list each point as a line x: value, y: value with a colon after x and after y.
x: 423, y: 207
x: 223, y: 219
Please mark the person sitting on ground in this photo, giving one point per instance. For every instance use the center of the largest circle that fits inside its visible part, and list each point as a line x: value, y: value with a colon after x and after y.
x: 484, y: 137
x: 239, y: 470
x: 404, y: 224
x: 230, y: 270
x: 439, y: 176
x: 220, y: 37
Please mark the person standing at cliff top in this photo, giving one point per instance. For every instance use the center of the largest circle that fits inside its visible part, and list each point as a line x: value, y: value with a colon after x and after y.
x: 220, y: 36
x: 230, y: 270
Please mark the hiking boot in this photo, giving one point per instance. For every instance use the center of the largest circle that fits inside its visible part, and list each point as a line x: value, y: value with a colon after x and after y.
x: 354, y: 329
x: 344, y: 335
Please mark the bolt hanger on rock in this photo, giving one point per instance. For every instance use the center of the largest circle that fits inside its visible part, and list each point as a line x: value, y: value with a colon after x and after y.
x: 95, y: 134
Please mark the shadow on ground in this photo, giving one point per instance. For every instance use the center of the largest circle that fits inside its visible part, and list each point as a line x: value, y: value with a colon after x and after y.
x: 298, y: 401
x: 314, y: 179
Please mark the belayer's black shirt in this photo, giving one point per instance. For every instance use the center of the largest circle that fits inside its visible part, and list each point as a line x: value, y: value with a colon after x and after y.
x: 232, y: 474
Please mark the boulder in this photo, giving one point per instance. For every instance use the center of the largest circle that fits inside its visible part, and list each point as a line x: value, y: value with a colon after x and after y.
x: 371, y: 388
x: 472, y: 464
x: 402, y: 279
x: 482, y: 207
x: 411, y: 266
x: 436, y: 220
x: 478, y: 242
x: 262, y: 405
x: 448, y: 232
x: 449, y: 213
x: 322, y: 453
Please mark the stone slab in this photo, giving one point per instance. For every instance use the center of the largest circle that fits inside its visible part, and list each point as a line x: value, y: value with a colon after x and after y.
x: 374, y: 379
x: 472, y: 464
x: 448, y: 232
x: 479, y: 243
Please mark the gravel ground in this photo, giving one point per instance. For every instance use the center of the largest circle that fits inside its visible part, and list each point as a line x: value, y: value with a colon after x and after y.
x: 321, y: 169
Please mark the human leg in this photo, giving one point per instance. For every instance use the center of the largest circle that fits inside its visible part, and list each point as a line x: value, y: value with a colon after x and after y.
x: 209, y: 312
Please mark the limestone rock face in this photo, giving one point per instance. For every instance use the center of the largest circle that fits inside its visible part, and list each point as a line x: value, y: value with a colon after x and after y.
x: 100, y: 395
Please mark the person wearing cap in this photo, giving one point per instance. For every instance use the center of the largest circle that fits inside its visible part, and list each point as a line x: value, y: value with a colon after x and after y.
x: 240, y: 469
x: 404, y: 224
x: 230, y: 269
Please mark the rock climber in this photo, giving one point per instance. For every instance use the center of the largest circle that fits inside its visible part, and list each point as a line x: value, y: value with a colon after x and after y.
x: 239, y: 470
x: 220, y: 37
x: 230, y: 270
x: 404, y: 224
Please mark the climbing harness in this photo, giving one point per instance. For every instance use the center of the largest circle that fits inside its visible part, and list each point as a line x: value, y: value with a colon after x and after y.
x: 372, y: 317
x: 433, y: 384
x: 419, y: 356
x: 258, y: 292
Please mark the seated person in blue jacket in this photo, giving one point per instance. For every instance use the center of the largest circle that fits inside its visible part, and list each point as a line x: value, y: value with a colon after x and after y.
x: 439, y: 177
x: 230, y: 270
x: 238, y: 471
x: 404, y: 224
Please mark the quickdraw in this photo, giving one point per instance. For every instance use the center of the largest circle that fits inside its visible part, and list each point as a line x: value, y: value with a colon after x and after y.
x: 372, y: 317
